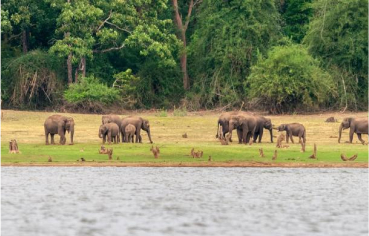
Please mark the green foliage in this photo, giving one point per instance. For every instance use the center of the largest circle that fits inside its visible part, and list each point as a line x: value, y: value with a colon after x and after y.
x: 181, y: 111
x: 127, y: 84
x: 338, y: 34
x: 289, y: 79
x: 90, y: 90
x: 224, y: 46
x: 162, y: 113
x: 33, y: 80
x: 5, y: 21
x: 295, y: 15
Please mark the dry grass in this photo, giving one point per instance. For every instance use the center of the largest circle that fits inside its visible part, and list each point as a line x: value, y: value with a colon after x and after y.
x: 27, y: 128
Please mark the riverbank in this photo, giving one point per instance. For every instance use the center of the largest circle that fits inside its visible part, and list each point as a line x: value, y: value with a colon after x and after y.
x: 189, y: 164
x: 166, y: 132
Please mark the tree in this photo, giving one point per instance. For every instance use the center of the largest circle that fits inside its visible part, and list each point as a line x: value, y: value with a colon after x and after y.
x: 289, y: 79
x: 226, y: 39
x: 110, y: 26
x: 338, y: 34
x: 182, y: 28
x: 295, y: 15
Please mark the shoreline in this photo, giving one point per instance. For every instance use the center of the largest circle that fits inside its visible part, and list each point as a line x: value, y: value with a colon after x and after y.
x: 189, y: 164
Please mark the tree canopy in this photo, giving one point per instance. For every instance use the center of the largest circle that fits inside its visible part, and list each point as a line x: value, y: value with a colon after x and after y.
x: 280, y: 56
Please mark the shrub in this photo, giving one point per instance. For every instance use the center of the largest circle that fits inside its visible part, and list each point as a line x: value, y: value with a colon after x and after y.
x: 180, y: 111
x: 289, y: 79
x: 162, y: 113
x: 89, y: 92
x: 33, y: 80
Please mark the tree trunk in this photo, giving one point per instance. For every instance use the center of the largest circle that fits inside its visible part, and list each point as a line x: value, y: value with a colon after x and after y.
x: 25, y: 41
x: 69, y: 64
x: 184, y: 64
x: 182, y: 28
x: 84, y: 66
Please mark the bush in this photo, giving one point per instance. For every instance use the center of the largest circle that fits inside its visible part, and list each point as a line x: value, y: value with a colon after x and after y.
x: 180, y: 111
x: 288, y: 80
x: 33, y: 80
x: 89, y: 92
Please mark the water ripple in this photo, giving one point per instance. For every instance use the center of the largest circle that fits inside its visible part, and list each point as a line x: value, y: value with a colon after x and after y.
x: 183, y: 201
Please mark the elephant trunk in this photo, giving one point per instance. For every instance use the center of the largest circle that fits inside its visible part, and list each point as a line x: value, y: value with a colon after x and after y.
x: 230, y: 129
x: 71, y: 134
x: 148, y: 133
x: 271, y: 135
x: 339, y: 133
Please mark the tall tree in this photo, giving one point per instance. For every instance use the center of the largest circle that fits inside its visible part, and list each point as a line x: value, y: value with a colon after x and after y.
x: 227, y: 37
x: 338, y: 34
x: 110, y: 26
x: 295, y: 15
x: 182, y: 28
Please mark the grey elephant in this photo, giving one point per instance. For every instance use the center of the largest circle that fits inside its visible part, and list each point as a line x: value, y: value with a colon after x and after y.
x: 57, y: 124
x: 112, y: 119
x: 261, y: 124
x: 293, y: 129
x: 130, y: 131
x: 356, y: 125
x: 223, y: 122
x: 245, y: 125
x: 139, y: 124
x: 110, y: 130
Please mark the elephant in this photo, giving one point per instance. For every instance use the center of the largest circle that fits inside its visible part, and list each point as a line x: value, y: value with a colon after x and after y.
x: 293, y: 129
x: 112, y: 118
x: 111, y: 130
x: 356, y: 125
x: 245, y: 125
x: 130, y: 131
x: 261, y: 124
x: 139, y: 124
x: 223, y: 122
x: 57, y: 124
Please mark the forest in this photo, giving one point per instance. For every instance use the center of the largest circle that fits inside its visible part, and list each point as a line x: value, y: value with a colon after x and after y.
x: 279, y: 56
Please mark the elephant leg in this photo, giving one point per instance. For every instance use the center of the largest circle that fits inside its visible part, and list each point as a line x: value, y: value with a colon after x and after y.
x: 239, y: 135
x: 361, y: 140
x: 244, y: 135
x: 291, y: 138
x: 109, y: 137
x: 104, y: 138
x: 351, y: 135
x: 126, y: 137
x: 52, y: 138
x: 47, y: 138
x: 260, y: 135
x: 138, y: 133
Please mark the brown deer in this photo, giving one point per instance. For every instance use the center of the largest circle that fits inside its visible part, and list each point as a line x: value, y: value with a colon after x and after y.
x: 155, y: 151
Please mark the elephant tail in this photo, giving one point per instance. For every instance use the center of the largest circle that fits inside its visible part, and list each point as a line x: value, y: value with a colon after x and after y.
x: 304, y: 136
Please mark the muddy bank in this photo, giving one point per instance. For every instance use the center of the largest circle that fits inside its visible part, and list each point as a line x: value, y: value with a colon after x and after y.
x: 189, y: 164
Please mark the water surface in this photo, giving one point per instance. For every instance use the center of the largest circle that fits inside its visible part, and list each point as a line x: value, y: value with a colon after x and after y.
x: 183, y: 201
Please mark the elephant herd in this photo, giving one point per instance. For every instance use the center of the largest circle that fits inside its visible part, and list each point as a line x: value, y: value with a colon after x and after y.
x: 113, y: 128
x: 249, y: 128
x: 249, y: 125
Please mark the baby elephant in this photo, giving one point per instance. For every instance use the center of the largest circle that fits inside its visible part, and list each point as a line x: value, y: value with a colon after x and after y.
x: 111, y: 130
x: 293, y: 129
x: 130, y: 131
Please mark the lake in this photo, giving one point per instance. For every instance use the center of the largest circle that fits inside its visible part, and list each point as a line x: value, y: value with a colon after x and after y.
x: 183, y: 201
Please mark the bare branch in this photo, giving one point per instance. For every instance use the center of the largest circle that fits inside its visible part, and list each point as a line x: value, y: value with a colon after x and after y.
x: 102, y: 24
x: 125, y: 30
x: 109, y: 49
x: 188, y: 15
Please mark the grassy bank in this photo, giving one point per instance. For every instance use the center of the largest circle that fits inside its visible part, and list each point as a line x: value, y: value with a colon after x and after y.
x: 27, y: 129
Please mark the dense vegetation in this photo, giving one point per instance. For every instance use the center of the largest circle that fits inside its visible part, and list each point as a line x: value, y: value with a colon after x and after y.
x: 279, y: 56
